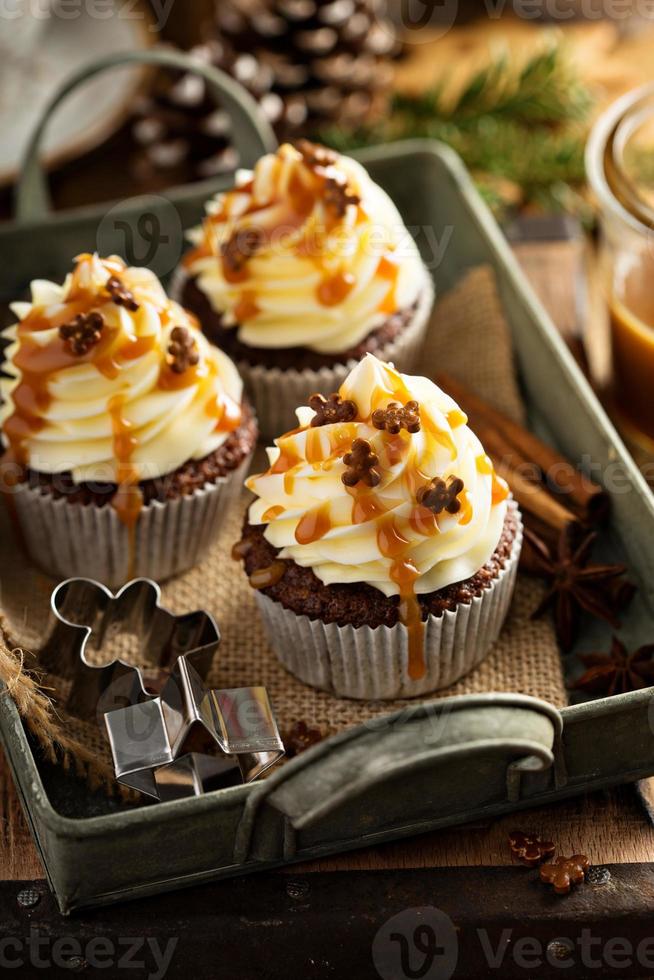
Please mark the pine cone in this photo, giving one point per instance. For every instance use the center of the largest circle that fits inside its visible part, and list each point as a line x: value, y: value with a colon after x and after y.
x: 308, y: 63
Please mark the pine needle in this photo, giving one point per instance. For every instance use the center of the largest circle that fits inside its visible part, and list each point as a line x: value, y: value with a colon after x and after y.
x: 526, y: 126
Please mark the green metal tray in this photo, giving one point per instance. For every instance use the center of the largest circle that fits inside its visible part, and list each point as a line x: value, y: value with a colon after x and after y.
x: 430, y: 765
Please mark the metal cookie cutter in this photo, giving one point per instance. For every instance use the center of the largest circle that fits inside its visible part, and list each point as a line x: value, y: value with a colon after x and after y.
x: 160, y: 733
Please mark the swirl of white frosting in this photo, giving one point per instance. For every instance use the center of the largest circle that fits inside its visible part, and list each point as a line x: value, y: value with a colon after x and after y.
x: 382, y: 535
x: 317, y: 278
x: 120, y: 404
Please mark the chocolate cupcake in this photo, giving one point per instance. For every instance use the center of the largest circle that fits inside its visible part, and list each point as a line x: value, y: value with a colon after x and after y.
x: 124, y: 430
x: 299, y: 271
x: 382, y: 544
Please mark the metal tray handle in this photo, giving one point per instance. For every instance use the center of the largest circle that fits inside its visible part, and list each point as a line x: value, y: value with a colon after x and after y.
x: 252, y: 133
x: 444, y: 755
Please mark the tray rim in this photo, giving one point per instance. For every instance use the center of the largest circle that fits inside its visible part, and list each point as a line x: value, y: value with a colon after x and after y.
x: 78, y: 827
x: 483, y: 217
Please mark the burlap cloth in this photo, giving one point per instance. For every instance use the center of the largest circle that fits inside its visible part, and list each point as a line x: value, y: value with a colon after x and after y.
x: 469, y: 338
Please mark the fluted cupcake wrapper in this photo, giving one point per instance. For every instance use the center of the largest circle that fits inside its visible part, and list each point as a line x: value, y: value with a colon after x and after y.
x: 276, y: 392
x: 372, y: 664
x: 73, y: 539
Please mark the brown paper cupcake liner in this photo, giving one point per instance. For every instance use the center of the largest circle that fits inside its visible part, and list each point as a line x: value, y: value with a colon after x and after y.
x: 276, y: 393
x: 72, y: 539
x: 372, y: 664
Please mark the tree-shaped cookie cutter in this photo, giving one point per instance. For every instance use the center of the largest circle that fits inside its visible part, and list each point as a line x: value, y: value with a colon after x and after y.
x: 158, y: 733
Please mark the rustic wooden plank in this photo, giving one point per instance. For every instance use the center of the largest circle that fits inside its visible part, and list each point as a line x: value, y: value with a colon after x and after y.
x: 442, y: 923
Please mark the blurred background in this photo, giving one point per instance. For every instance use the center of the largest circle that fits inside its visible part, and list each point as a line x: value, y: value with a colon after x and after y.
x: 514, y: 86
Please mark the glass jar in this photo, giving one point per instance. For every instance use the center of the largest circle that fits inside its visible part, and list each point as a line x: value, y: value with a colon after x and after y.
x: 620, y: 166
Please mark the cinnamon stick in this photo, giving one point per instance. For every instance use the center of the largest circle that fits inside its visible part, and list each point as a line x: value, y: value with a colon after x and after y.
x: 505, y: 438
x: 534, y: 499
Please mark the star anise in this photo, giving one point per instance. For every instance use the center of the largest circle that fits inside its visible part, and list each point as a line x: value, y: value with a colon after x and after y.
x: 439, y: 495
x: 332, y: 409
x: 575, y: 584
x: 361, y: 463
x: 618, y: 671
x: 120, y: 294
x: 564, y: 872
x: 242, y: 245
x: 299, y: 738
x: 182, y: 350
x: 529, y: 848
x: 82, y: 333
x: 395, y: 417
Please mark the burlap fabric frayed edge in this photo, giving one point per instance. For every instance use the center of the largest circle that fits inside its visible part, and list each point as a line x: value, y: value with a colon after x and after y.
x: 25, y: 686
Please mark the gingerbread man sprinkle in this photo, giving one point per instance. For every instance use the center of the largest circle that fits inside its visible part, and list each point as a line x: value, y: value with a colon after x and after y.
x: 529, y: 848
x: 82, y: 333
x: 439, y: 495
x: 564, y: 872
x: 120, y: 294
x: 332, y: 409
x: 395, y: 417
x: 361, y: 462
x: 182, y: 350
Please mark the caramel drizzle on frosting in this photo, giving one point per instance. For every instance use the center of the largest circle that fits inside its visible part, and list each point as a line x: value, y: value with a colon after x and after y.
x: 38, y: 364
x: 310, y: 184
x: 128, y: 499
x: 367, y: 506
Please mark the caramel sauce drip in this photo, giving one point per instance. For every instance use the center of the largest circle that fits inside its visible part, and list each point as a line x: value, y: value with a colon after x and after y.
x: 128, y: 499
x: 287, y: 459
x: 389, y: 271
x: 285, y: 463
x: 170, y: 380
x: 441, y: 436
x: 227, y: 412
x: 404, y: 573
x: 314, y: 525
x: 246, y: 307
x: 240, y: 549
x: 202, y: 251
x: 366, y: 506
x: 313, y: 451
x: 334, y: 289
x: 500, y: 489
x: 424, y: 521
x: 484, y: 465
x: 395, y: 447
x: 455, y: 418
x: 264, y: 578
x: 38, y: 363
x: 465, y: 513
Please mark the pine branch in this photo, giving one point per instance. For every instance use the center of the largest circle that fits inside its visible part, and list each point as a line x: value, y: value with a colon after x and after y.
x: 524, y: 126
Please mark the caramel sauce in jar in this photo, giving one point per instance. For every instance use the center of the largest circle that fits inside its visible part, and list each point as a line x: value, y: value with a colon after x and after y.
x: 631, y: 316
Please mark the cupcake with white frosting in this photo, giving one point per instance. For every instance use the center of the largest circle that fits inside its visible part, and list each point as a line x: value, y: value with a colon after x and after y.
x: 125, y: 431
x: 382, y: 545
x: 299, y: 271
